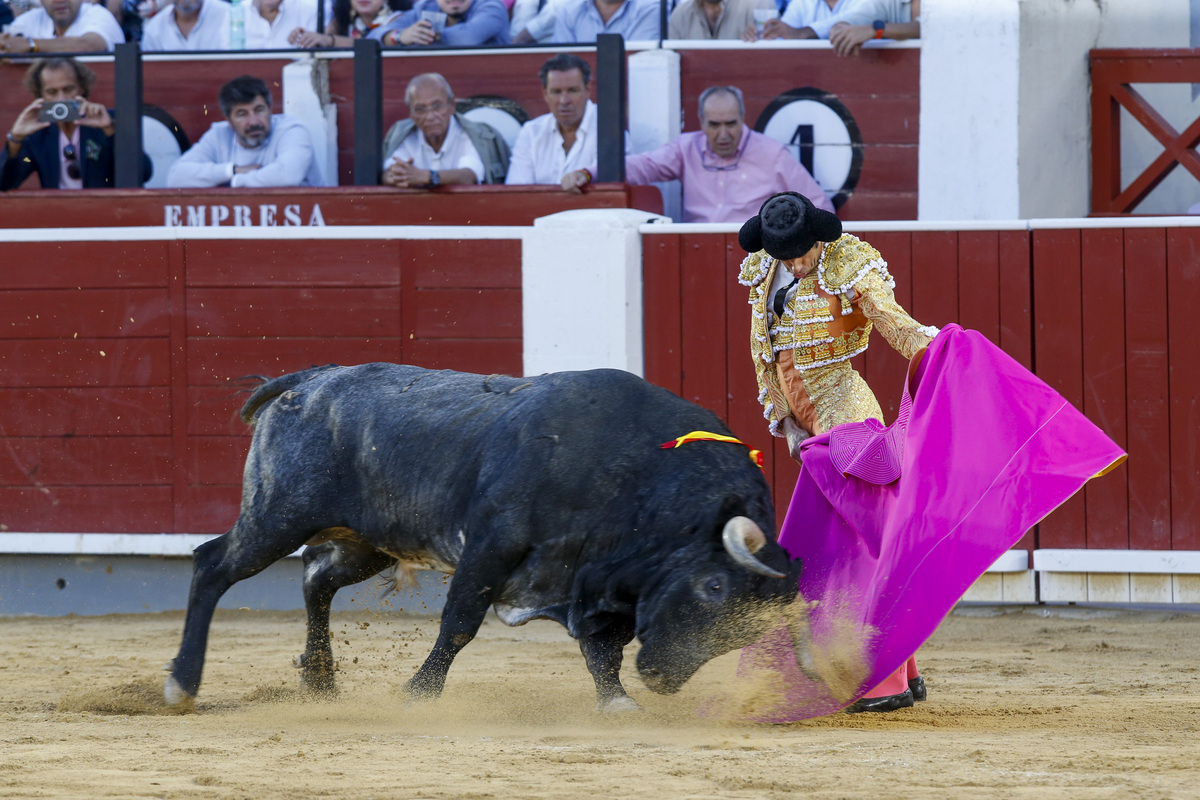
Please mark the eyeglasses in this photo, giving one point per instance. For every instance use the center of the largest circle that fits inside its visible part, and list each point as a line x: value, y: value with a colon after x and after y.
x: 436, y: 107
x: 718, y: 167
x: 72, y: 158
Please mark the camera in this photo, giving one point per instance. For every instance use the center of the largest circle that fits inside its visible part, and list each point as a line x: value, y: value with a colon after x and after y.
x: 61, y: 111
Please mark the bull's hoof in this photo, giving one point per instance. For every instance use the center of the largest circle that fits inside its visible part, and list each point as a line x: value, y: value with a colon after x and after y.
x: 618, y: 705
x: 174, y: 694
x: 316, y: 674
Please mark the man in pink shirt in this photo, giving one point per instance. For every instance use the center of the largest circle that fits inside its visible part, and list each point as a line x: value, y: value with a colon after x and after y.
x: 727, y: 170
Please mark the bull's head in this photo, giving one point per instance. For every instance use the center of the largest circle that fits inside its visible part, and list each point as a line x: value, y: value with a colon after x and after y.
x: 712, y: 602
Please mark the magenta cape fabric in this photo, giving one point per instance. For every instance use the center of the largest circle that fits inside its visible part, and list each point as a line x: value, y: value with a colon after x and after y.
x: 990, y: 450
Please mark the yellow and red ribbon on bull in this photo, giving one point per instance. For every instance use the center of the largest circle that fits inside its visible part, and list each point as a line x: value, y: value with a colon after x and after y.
x: 705, y: 436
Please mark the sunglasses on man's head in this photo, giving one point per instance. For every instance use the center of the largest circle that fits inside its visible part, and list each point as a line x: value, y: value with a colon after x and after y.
x: 72, y: 158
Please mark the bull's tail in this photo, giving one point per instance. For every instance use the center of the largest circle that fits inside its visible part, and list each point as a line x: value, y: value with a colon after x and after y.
x: 270, y: 389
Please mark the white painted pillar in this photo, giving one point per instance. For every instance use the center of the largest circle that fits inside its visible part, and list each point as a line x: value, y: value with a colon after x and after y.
x: 970, y: 80
x: 306, y: 96
x: 581, y: 283
x: 655, y: 101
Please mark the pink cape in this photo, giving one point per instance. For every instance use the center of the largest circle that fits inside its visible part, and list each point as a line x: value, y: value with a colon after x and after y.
x: 989, y: 451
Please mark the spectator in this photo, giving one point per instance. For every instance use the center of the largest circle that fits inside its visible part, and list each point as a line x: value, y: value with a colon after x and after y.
x: 534, y: 21
x: 352, y: 19
x: 894, y: 19
x: 438, y: 146
x: 554, y: 144
x: 468, y: 23
x: 727, y: 171
x: 813, y: 19
x: 188, y: 25
x: 715, y: 19
x: 252, y: 148
x: 62, y: 26
x: 270, y: 23
x: 76, y: 154
x: 582, y: 20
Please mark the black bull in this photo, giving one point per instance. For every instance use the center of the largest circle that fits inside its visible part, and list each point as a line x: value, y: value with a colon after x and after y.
x: 547, y: 497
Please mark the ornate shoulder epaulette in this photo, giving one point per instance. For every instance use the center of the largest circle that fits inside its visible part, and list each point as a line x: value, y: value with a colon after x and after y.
x: 755, y: 268
x: 844, y: 263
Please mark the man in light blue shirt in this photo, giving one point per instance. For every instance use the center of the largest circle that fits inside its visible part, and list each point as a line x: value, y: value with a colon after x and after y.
x: 253, y: 148
x: 582, y: 20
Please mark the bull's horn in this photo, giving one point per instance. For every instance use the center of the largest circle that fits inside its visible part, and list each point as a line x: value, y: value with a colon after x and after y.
x: 742, y: 539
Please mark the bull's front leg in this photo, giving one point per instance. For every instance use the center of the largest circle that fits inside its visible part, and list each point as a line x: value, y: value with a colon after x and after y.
x: 477, y: 582
x: 603, y: 651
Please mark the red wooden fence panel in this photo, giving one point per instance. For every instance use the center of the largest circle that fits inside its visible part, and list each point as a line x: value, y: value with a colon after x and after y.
x: 1058, y: 355
x: 1102, y: 258
x: 1183, y: 298
x: 119, y: 388
x: 1147, y: 389
x: 663, y: 329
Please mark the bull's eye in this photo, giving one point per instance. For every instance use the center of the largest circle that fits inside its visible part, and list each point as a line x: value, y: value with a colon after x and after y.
x: 714, y: 589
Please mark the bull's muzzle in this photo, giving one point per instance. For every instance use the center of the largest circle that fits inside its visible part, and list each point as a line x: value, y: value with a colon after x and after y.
x: 742, y: 539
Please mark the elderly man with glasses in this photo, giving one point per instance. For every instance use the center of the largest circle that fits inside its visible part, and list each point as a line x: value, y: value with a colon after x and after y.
x: 62, y: 136
x: 437, y: 146
x: 725, y: 169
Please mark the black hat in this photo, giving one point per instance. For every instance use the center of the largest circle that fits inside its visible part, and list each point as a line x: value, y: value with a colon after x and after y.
x: 787, y: 226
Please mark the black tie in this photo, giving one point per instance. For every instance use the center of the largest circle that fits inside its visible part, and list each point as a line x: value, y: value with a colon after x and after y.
x: 781, y: 298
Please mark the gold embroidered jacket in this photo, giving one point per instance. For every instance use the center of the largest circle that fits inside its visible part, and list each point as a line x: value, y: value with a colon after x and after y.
x: 802, y: 358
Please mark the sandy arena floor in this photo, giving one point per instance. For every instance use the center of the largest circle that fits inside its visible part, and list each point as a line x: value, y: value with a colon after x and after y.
x: 1035, y: 703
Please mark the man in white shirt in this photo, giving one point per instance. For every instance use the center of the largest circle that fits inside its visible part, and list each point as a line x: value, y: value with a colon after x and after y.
x: 270, y: 22
x: 63, y: 26
x: 813, y: 19
x: 188, y: 25
x: 433, y: 147
x: 252, y: 148
x: 564, y: 140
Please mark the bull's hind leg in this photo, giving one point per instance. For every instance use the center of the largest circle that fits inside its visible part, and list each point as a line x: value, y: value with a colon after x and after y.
x: 327, y: 568
x: 603, y: 652
x: 216, y: 565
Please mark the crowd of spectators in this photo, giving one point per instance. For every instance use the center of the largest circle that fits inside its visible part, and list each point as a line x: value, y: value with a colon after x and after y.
x: 726, y: 170
x: 435, y: 145
x: 34, y: 26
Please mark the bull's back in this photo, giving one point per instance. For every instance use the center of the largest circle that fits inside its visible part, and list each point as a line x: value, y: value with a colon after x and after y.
x: 411, y: 457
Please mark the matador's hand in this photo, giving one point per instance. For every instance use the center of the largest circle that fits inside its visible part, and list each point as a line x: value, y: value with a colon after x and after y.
x: 795, y: 436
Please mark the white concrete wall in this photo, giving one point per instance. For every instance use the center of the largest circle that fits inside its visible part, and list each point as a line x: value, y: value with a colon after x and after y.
x: 1006, y: 105
x: 968, y: 152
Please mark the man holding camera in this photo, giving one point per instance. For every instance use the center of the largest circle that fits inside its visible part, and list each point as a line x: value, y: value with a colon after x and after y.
x: 61, y: 135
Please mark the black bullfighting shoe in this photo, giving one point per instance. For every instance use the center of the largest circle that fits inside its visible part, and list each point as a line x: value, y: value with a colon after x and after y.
x: 917, y: 687
x: 889, y: 703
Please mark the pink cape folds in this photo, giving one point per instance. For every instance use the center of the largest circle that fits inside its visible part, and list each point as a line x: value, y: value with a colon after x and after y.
x: 989, y: 450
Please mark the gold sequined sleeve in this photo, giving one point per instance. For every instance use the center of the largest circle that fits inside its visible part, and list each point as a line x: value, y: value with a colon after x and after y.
x: 878, y: 303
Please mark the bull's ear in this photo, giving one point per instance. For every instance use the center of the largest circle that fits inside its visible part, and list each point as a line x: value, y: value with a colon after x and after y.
x: 732, y: 506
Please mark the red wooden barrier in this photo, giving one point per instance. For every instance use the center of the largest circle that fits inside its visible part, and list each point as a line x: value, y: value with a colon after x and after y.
x: 119, y: 376
x: 1113, y: 74
x: 347, y: 205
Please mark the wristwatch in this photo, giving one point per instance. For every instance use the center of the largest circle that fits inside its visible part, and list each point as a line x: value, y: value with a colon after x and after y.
x: 434, y: 178
x: 878, y: 25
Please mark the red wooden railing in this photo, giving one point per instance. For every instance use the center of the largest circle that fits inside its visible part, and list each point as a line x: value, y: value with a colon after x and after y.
x: 118, y: 375
x: 1113, y: 73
